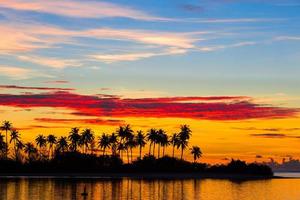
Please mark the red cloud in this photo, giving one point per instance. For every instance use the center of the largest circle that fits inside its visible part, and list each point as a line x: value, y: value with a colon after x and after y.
x: 33, y: 88
x: 210, y: 108
x: 84, y: 121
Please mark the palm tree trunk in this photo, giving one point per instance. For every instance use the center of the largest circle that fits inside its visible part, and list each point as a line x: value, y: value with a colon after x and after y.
x: 127, y: 156
x: 103, y: 151
x: 6, y: 151
x: 154, y: 149
x: 150, y: 148
x: 173, y: 151
x: 181, y: 153
x: 131, y: 154
x: 158, y: 151
x: 140, y: 152
x: 163, y: 151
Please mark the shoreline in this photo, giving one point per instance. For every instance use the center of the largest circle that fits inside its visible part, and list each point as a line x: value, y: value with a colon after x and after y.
x: 138, y: 176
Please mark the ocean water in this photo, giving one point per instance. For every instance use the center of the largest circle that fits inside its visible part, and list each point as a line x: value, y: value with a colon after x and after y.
x: 152, y: 189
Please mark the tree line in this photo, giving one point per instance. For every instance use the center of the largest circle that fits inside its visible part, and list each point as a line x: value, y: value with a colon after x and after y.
x: 119, y: 143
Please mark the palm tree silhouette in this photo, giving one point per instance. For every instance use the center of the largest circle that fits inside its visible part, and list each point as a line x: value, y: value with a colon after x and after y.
x: 104, y: 142
x: 19, y: 147
x: 6, y: 126
x: 174, y: 141
x: 113, y: 139
x: 131, y: 143
x: 184, y: 136
x: 161, y: 134
x: 62, y: 144
x: 164, y: 142
x: 41, y: 141
x: 30, y: 150
x: 196, y: 152
x: 152, y: 137
x: 74, y: 138
x: 140, y: 141
x: 51, y: 139
x: 14, y: 137
x: 87, y: 137
x: 3, y: 146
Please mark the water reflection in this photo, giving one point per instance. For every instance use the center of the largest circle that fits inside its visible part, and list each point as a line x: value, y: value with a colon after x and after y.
x: 137, y: 189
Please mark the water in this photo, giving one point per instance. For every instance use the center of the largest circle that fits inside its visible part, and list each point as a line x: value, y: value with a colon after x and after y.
x: 288, y: 174
x: 125, y: 189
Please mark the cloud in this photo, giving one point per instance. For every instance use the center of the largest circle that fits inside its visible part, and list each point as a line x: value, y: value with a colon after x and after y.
x: 33, y: 88
x: 57, y: 82
x: 18, y: 73
x: 269, y: 135
x: 208, y: 108
x: 266, y: 129
x: 79, y: 9
x: 81, y: 121
x: 274, y: 135
x: 50, y: 62
x: 110, y: 58
x: 287, y: 38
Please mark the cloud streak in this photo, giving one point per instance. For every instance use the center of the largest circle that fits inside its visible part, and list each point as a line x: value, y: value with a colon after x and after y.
x: 34, y: 88
x: 79, y: 9
x: 207, y: 108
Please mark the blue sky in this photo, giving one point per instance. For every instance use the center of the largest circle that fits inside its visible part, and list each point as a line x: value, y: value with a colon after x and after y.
x: 171, y: 47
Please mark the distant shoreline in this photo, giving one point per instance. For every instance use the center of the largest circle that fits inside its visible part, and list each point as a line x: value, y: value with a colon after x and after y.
x: 137, y: 176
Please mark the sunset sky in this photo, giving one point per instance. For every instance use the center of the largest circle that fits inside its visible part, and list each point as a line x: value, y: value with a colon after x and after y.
x: 228, y: 68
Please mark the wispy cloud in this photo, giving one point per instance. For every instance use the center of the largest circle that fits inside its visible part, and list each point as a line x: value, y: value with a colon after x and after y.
x: 18, y: 73
x: 50, y: 62
x: 273, y: 135
x: 33, y: 88
x: 79, y: 9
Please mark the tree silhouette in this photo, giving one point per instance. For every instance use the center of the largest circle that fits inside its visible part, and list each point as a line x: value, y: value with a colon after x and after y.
x: 3, y: 146
x: 113, y: 139
x: 164, y: 142
x: 130, y: 143
x: 152, y: 137
x: 87, y: 137
x: 30, y: 150
x: 196, y: 152
x: 183, y: 136
x: 74, y: 138
x: 6, y: 126
x: 174, y: 141
x: 104, y: 142
x: 62, y: 145
x: 14, y: 137
x: 140, y: 141
x: 41, y: 141
x: 51, y: 139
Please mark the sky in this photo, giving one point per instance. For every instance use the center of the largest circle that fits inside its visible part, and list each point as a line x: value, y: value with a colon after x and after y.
x: 228, y: 68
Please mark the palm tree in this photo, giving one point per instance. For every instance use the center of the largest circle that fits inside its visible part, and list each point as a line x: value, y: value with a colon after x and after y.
x: 3, y: 146
x: 121, y: 147
x: 174, y: 141
x: 140, y: 141
x: 152, y: 137
x: 159, y: 139
x: 30, y: 150
x: 41, y: 142
x: 74, y: 138
x: 62, y: 144
x: 87, y: 137
x: 19, y: 147
x: 14, y: 137
x: 183, y: 136
x: 113, y: 139
x: 51, y: 139
x: 131, y: 143
x: 196, y: 152
x: 104, y: 142
x: 164, y: 142
x: 6, y: 126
